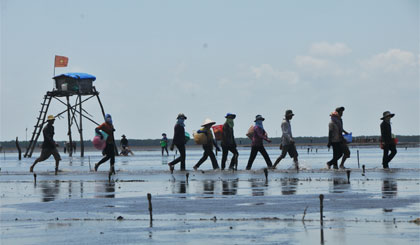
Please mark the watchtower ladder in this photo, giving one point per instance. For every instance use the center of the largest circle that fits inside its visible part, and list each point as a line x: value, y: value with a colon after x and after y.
x: 39, y: 124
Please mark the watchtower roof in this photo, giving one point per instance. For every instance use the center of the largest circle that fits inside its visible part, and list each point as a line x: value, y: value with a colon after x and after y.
x: 77, y: 75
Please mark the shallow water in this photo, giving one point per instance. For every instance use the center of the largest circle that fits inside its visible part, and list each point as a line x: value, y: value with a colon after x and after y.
x: 211, y: 207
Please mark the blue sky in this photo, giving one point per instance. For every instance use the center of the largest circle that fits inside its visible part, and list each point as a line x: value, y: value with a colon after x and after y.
x: 154, y: 59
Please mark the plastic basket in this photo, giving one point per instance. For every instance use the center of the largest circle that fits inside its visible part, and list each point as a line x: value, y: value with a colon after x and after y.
x: 98, y: 143
x: 348, y: 137
x: 199, y: 138
x: 218, y: 131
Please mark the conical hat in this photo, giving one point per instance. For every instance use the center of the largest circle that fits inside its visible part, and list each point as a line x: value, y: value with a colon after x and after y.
x: 207, y: 122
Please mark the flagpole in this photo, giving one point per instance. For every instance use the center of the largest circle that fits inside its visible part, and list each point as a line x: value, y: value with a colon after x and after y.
x: 54, y: 72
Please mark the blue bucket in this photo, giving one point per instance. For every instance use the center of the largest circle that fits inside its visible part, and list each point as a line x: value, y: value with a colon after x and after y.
x: 348, y: 137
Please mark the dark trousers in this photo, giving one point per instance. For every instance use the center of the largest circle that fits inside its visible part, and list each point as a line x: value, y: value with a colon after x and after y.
x: 181, y: 158
x: 388, y: 157
x: 109, y: 152
x: 208, y: 152
x: 234, y: 161
x: 253, y: 155
x: 337, y: 153
x: 165, y: 148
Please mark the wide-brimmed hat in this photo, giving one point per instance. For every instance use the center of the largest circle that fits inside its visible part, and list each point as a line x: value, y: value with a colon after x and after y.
x: 338, y: 109
x: 289, y: 113
x: 230, y: 115
x: 163, y: 134
x: 50, y: 118
x: 123, y: 135
x: 181, y: 115
x: 208, y: 122
x: 259, y: 117
x: 387, y: 114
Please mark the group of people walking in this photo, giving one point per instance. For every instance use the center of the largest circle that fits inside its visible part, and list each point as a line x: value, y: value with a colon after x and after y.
x: 256, y: 133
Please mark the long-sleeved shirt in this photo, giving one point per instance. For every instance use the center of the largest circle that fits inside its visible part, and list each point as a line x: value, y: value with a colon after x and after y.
x: 259, y: 136
x: 286, y: 128
x: 335, y: 132
x: 109, y: 129
x: 164, y: 142
x: 228, y: 139
x: 386, y: 135
x: 124, y: 142
x: 48, y: 133
x: 179, y: 135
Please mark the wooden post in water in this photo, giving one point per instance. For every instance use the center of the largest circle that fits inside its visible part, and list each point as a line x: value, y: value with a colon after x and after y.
x: 358, y: 163
x: 321, y: 207
x: 363, y: 167
x: 187, y: 175
x: 19, y: 150
x: 149, y: 197
x: 35, y: 179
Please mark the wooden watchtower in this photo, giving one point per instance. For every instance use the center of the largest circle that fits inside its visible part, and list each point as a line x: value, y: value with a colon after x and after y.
x: 66, y: 85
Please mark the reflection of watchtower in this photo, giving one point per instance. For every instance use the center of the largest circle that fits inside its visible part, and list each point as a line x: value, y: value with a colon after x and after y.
x: 66, y: 85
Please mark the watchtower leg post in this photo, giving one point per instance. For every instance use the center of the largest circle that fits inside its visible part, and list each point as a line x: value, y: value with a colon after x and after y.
x: 100, y: 104
x: 82, y: 146
x: 103, y: 114
x: 69, y: 125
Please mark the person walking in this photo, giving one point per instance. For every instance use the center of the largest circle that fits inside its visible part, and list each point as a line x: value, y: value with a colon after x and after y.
x: 208, y: 145
x: 336, y: 139
x: 228, y: 142
x: 164, y: 144
x: 387, y: 140
x: 287, y: 141
x: 179, y: 141
x: 109, y: 150
x: 49, y: 146
x: 257, y: 143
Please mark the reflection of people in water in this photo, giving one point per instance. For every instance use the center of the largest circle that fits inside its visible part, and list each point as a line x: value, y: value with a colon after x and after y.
x: 179, y: 187
x: 105, y: 190
x: 389, y: 188
x: 208, y: 187
x: 289, y: 186
x: 339, y: 185
x: 257, y: 187
x: 230, y: 187
x: 50, y: 192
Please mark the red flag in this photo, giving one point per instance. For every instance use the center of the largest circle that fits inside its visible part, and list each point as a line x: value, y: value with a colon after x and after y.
x: 61, y: 61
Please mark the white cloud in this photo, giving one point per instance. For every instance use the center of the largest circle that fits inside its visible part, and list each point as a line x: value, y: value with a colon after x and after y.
x: 315, y: 67
x: 394, y: 60
x: 328, y: 49
x: 266, y: 71
x: 309, y: 62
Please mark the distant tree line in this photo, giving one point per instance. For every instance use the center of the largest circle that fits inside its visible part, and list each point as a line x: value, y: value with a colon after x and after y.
x: 240, y: 141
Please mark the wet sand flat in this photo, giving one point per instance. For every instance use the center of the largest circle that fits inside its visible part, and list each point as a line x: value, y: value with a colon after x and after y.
x: 79, y: 206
